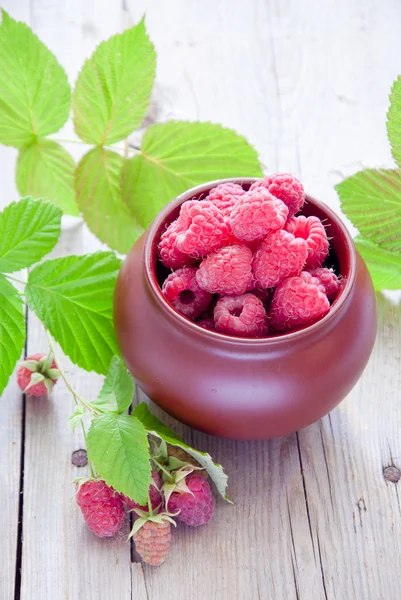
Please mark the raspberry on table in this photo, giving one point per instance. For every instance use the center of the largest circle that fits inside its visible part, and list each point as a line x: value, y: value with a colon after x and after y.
x: 202, y: 228
x: 312, y: 230
x: 226, y: 271
x: 182, y: 290
x: 196, y: 506
x: 243, y: 316
x: 286, y: 188
x: 298, y: 301
x: 257, y: 213
x: 280, y: 255
x: 328, y: 279
x: 152, y: 542
x: 35, y: 366
x: 155, y: 495
x: 101, y: 506
x: 225, y: 195
x: 169, y: 254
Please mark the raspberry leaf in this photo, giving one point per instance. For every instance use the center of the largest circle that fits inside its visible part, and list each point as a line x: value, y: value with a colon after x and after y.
x: 371, y: 199
x: 384, y: 266
x: 113, y: 89
x: 394, y: 121
x: 12, y: 330
x: 97, y: 184
x: 178, y: 155
x: 46, y: 170
x: 118, y: 447
x: 73, y: 297
x: 77, y: 416
x: 29, y: 229
x: 34, y: 93
x: 118, y: 389
x: 161, y: 431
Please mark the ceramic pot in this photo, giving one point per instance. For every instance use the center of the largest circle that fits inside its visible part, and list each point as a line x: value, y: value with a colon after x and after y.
x: 244, y: 388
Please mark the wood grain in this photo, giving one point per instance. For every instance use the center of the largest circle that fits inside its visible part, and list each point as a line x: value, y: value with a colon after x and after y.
x: 12, y: 406
x: 314, y: 516
x: 10, y: 452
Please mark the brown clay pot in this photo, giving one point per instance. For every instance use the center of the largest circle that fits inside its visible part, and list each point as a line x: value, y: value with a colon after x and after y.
x: 244, y: 388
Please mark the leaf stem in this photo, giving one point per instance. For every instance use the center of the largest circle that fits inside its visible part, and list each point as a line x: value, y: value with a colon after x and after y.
x: 64, y: 141
x: 161, y: 467
x: 77, y: 396
x: 91, y: 469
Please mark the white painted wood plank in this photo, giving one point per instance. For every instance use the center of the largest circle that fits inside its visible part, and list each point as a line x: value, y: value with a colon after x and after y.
x: 10, y: 452
x: 355, y: 511
x: 61, y: 558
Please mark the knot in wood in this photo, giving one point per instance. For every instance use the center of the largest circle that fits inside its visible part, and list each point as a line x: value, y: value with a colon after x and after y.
x: 79, y: 458
x: 392, y: 474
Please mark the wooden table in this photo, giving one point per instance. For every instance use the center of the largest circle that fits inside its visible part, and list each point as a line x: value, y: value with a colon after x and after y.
x: 317, y: 514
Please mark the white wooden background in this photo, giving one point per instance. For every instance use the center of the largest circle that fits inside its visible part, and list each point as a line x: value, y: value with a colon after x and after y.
x: 314, y: 517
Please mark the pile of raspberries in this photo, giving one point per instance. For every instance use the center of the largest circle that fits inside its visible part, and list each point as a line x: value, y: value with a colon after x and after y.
x: 245, y: 263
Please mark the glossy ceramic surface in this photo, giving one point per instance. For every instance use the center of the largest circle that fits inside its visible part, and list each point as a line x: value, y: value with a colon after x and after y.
x: 244, y: 388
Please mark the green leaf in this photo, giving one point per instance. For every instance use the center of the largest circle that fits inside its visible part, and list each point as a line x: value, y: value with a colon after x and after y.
x: 113, y: 89
x: 118, y: 389
x: 160, y: 430
x: 179, y: 155
x: 34, y: 93
x: 384, y: 266
x: 97, y: 184
x: 29, y: 229
x: 12, y: 330
x: 73, y: 297
x: 76, y: 418
x: 394, y: 121
x: 46, y: 170
x: 371, y: 199
x: 118, y: 447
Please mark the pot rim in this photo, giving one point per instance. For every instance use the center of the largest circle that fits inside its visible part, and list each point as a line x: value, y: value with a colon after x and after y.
x: 279, y: 338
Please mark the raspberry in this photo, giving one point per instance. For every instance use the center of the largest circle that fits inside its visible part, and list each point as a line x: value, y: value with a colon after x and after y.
x: 37, y: 374
x: 154, y: 495
x: 196, y: 506
x: 298, y: 301
x: 286, y: 188
x: 226, y: 271
x: 263, y: 294
x: 312, y: 230
x: 206, y: 323
x: 182, y: 290
x: 256, y: 214
x: 328, y: 279
x: 152, y: 541
x: 168, y: 251
x: 225, y: 195
x: 243, y: 315
x: 101, y: 506
x: 202, y: 228
x: 279, y: 256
